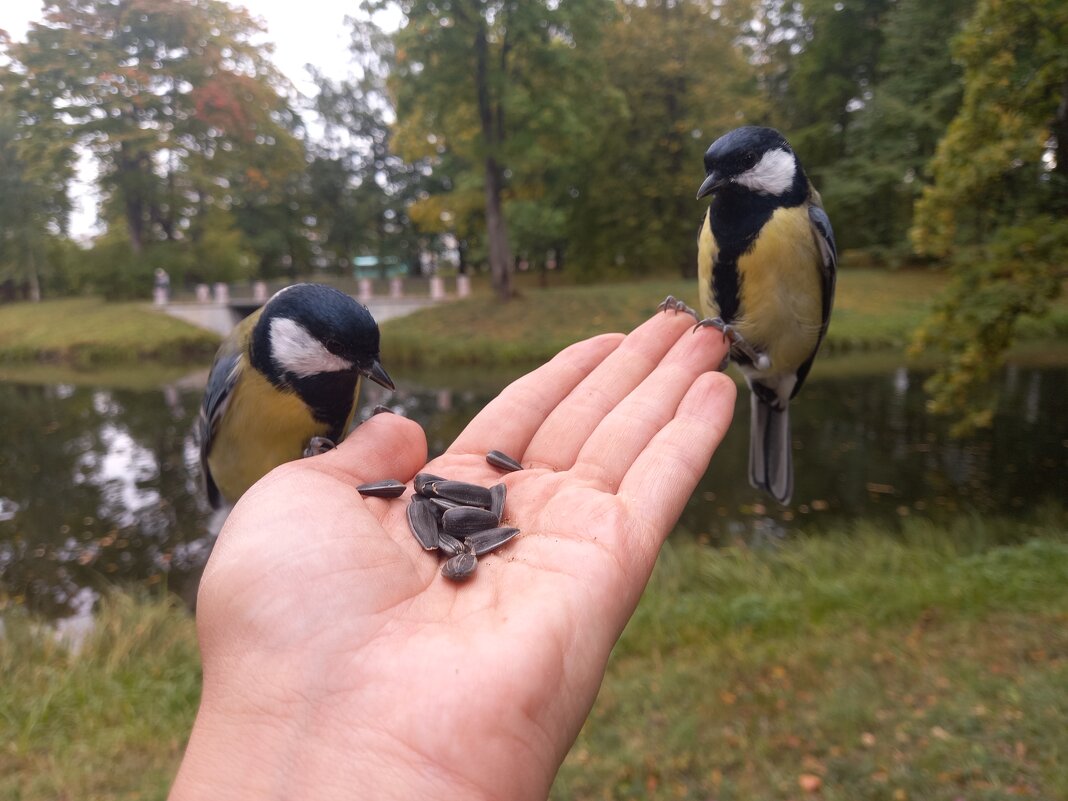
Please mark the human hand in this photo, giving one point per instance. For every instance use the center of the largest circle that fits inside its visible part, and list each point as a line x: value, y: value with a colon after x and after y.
x: 339, y: 662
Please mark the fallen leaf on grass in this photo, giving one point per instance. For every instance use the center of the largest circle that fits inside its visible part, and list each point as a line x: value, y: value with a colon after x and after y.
x: 809, y: 782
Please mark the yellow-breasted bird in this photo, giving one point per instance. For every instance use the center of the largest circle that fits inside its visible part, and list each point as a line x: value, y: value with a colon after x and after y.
x: 766, y: 262
x: 284, y: 384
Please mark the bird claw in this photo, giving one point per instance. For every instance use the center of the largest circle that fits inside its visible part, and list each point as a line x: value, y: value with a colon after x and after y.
x: 673, y: 304
x: 318, y: 445
x: 759, y: 358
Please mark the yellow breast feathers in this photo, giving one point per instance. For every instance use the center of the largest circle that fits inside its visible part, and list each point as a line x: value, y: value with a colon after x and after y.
x: 780, y: 291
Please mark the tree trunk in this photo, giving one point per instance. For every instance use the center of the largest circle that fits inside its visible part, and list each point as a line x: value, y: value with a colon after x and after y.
x: 33, y: 280
x: 492, y: 124
x: 500, y: 254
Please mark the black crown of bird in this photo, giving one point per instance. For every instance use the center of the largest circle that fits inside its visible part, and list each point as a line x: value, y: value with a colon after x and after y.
x: 284, y: 384
x: 766, y: 262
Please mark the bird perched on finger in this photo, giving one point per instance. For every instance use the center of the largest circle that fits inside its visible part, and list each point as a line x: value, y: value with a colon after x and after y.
x: 766, y: 270
x: 284, y: 384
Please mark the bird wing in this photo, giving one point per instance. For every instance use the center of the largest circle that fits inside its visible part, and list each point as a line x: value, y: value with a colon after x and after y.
x: 229, y: 362
x: 824, y: 236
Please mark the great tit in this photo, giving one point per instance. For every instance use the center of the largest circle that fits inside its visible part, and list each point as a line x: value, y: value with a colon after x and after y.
x: 284, y: 383
x: 766, y: 262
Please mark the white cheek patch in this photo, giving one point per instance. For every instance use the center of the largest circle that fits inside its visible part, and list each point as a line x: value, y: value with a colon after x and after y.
x: 772, y: 175
x: 296, y: 351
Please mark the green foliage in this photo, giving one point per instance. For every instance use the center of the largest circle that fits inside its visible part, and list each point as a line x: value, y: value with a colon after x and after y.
x: 180, y: 108
x: 673, y: 81
x: 870, y: 191
x: 33, y: 206
x: 999, y: 197
x: 992, y: 167
x: 1018, y: 273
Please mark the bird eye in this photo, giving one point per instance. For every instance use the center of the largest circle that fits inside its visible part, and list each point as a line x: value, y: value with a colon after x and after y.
x: 750, y: 158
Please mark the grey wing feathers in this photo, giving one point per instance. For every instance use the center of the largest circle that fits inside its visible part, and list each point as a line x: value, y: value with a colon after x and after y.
x: 221, y: 381
x: 824, y: 236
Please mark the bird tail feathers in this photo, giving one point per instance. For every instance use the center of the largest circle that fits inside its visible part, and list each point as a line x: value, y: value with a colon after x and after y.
x: 771, y: 466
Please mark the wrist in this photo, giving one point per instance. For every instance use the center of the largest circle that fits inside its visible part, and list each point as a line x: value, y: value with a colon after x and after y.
x: 249, y: 744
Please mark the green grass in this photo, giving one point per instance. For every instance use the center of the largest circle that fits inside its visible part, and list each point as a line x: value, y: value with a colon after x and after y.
x: 923, y: 663
x: 88, y: 333
x: 107, y: 723
x: 874, y: 310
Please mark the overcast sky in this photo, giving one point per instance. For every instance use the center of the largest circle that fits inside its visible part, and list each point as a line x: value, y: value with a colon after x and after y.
x: 302, y: 31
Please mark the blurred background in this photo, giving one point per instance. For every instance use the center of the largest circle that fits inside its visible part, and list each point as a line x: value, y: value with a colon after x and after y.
x: 496, y: 180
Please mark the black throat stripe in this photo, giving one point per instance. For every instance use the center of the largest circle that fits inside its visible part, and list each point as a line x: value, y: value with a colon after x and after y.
x: 726, y: 288
x: 736, y: 217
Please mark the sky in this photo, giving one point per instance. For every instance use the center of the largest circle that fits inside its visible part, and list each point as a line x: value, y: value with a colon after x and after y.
x: 302, y: 31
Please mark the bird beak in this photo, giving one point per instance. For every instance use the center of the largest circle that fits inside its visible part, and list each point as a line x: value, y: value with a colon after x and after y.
x: 378, y: 375
x: 713, y: 181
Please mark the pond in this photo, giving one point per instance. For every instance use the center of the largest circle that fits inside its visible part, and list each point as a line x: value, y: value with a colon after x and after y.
x: 99, y: 485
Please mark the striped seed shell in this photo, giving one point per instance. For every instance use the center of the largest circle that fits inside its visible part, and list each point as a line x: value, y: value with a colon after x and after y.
x: 503, y: 461
x: 423, y: 523
x: 497, y: 494
x: 451, y: 546
x: 461, y: 492
x: 485, y: 541
x: 466, y: 520
x: 460, y: 567
x: 387, y: 488
x: 422, y: 480
x: 444, y: 504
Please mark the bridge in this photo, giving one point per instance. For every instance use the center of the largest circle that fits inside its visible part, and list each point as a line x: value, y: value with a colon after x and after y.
x: 219, y: 312
x: 222, y: 317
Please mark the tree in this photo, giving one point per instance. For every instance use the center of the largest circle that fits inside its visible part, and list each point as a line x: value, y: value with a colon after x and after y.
x: 673, y: 81
x: 463, y: 84
x: 359, y: 188
x: 33, y: 207
x: 871, y: 189
x: 998, y: 202
x: 173, y: 98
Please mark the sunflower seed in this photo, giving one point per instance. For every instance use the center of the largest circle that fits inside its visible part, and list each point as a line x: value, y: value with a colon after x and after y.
x: 451, y: 546
x: 460, y: 567
x: 423, y: 523
x: 466, y: 520
x: 503, y: 461
x: 444, y: 505
x: 497, y: 493
x: 461, y: 492
x: 490, y: 539
x: 389, y: 488
x: 422, y: 479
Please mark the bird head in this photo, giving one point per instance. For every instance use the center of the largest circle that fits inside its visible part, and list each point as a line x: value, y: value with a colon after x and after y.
x: 309, y: 331
x: 751, y: 159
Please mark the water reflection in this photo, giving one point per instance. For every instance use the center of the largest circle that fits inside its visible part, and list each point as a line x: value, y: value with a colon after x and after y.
x: 99, y: 486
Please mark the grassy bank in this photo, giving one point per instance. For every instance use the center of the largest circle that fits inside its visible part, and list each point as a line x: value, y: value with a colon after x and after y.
x: 88, y: 333
x: 925, y: 664
x: 874, y: 310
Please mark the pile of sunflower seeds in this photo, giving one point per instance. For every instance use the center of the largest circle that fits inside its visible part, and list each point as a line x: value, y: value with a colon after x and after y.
x: 459, y: 520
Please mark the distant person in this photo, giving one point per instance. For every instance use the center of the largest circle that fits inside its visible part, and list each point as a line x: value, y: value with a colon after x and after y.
x: 339, y: 663
x: 161, y: 293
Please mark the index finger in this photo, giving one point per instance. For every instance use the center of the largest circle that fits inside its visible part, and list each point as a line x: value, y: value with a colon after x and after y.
x: 510, y: 420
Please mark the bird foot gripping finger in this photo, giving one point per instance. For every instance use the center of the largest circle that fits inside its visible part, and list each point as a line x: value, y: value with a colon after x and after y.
x: 318, y: 445
x: 673, y: 304
x: 759, y: 358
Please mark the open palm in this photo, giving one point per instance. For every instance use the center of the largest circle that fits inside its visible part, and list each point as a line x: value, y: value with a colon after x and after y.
x: 336, y: 657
